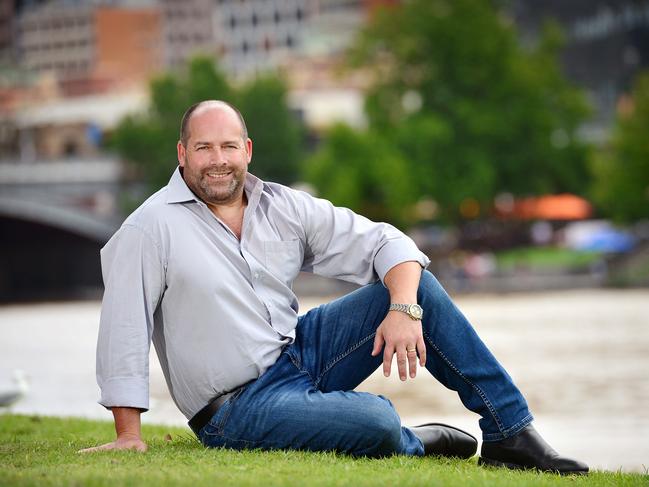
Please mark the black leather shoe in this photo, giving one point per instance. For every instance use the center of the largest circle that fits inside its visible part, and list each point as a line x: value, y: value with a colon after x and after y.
x: 527, y: 450
x: 445, y: 440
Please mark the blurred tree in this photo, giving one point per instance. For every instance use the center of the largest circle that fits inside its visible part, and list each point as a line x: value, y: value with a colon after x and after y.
x: 621, y: 185
x: 274, y: 131
x: 363, y: 172
x: 149, y: 139
x: 472, y: 113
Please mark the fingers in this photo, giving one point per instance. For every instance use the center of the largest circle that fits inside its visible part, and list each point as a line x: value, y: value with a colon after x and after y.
x: 388, y: 352
x: 421, y: 349
x: 378, y: 342
x: 138, y: 445
x: 403, y: 341
x: 411, y: 352
x: 107, y: 446
x: 402, y: 362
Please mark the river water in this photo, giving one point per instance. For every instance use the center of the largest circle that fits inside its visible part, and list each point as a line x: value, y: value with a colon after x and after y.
x: 580, y: 357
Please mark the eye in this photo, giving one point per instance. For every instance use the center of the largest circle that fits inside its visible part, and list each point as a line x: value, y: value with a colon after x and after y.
x: 201, y: 147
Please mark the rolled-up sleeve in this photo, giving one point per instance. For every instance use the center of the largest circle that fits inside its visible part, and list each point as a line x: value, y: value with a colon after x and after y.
x: 133, y: 274
x: 348, y: 246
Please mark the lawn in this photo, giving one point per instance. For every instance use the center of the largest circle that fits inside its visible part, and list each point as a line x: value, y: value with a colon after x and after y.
x: 37, y: 451
x: 545, y: 258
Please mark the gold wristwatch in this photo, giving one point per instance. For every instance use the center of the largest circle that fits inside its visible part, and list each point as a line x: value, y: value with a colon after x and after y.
x: 413, y: 310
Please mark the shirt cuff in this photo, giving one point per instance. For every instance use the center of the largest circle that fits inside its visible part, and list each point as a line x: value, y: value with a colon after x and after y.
x: 126, y: 392
x: 395, y: 252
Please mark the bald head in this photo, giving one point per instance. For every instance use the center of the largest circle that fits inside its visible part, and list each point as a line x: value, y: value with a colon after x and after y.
x: 206, y: 105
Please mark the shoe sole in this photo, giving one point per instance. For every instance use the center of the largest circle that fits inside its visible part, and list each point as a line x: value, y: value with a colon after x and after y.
x: 488, y: 462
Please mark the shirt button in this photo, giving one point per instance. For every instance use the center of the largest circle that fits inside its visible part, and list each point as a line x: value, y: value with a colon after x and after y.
x: 256, y: 275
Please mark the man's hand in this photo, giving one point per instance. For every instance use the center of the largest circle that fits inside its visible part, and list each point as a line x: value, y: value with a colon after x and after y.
x: 399, y: 334
x: 121, y: 443
x: 127, y: 427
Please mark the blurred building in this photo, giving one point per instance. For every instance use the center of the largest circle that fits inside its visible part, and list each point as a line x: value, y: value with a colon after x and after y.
x: 82, y: 65
x: 89, y: 47
x: 72, y: 128
x: 7, y: 15
x: 128, y: 48
x: 607, y: 45
x: 256, y: 35
x: 188, y: 30
x: 321, y: 93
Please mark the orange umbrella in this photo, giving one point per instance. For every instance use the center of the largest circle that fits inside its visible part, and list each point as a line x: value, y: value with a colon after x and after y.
x: 552, y: 207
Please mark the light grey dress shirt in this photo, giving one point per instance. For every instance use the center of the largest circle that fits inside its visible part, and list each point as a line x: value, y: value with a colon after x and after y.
x: 220, y: 310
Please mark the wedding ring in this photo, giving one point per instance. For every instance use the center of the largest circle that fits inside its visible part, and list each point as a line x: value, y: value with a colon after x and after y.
x: 414, y: 349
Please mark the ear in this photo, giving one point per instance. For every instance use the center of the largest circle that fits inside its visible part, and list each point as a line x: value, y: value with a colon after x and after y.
x: 182, y: 154
x: 249, y: 149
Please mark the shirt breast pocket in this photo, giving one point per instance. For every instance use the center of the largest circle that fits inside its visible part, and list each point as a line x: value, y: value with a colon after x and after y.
x: 283, y: 259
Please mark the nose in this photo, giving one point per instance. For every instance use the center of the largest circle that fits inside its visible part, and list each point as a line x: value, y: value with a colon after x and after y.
x: 218, y: 157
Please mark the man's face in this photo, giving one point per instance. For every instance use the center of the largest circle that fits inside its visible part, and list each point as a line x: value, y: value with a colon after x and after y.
x: 216, y: 158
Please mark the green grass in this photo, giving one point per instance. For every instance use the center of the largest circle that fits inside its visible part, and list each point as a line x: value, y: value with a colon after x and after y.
x: 548, y: 258
x: 41, y: 451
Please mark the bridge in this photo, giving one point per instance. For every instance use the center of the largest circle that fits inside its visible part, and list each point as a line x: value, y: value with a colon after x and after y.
x: 54, y: 219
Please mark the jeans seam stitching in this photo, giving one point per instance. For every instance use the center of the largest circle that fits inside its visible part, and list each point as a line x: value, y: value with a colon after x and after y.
x: 507, y: 432
x: 299, y: 367
x: 238, y: 440
x: 341, y: 356
x: 480, y: 392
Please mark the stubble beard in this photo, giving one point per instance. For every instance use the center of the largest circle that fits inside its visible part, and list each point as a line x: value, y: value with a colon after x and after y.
x: 218, y: 193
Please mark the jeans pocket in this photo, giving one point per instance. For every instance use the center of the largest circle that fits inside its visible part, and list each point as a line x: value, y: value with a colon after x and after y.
x: 215, y: 425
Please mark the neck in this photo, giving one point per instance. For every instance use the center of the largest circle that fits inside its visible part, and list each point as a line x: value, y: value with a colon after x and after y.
x: 231, y: 213
x: 229, y: 208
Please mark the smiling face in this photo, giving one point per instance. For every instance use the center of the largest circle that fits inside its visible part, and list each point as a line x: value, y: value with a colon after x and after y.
x: 215, y: 156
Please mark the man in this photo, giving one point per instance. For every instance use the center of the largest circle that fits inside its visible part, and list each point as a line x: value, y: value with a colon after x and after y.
x: 204, y: 268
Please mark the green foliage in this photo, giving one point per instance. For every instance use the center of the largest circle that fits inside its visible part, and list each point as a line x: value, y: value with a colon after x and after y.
x: 470, y: 112
x: 42, y: 451
x: 273, y: 129
x: 361, y: 171
x: 622, y: 174
x: 149, y: 139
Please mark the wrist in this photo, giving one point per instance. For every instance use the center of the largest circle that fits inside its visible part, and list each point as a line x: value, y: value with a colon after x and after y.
x: 413, y: 310
x: 129, y: 435
x: 403, y: 299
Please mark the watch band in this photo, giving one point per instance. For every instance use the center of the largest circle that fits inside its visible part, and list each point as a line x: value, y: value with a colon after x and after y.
x: 404, y: 308
x: 413, y: 310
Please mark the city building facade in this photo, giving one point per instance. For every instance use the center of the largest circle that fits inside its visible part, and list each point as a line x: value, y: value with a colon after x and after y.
x: 607, y: 44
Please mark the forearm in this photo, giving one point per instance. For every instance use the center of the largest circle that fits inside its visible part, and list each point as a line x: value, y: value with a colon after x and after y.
x: 402, y: 282
x: 127, y: 427
x: 127, y: 422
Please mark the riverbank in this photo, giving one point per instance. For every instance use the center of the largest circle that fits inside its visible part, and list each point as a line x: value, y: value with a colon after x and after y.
x: 579, y: 356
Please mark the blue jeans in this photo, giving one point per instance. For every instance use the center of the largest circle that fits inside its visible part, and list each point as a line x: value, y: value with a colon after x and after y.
x: 306, y: 400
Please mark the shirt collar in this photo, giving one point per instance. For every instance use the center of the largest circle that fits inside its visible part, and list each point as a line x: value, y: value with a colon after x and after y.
x: 179, y: 192
x: 177, y: 189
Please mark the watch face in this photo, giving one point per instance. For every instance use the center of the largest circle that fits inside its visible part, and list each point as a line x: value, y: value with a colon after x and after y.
x: 416, y: 311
